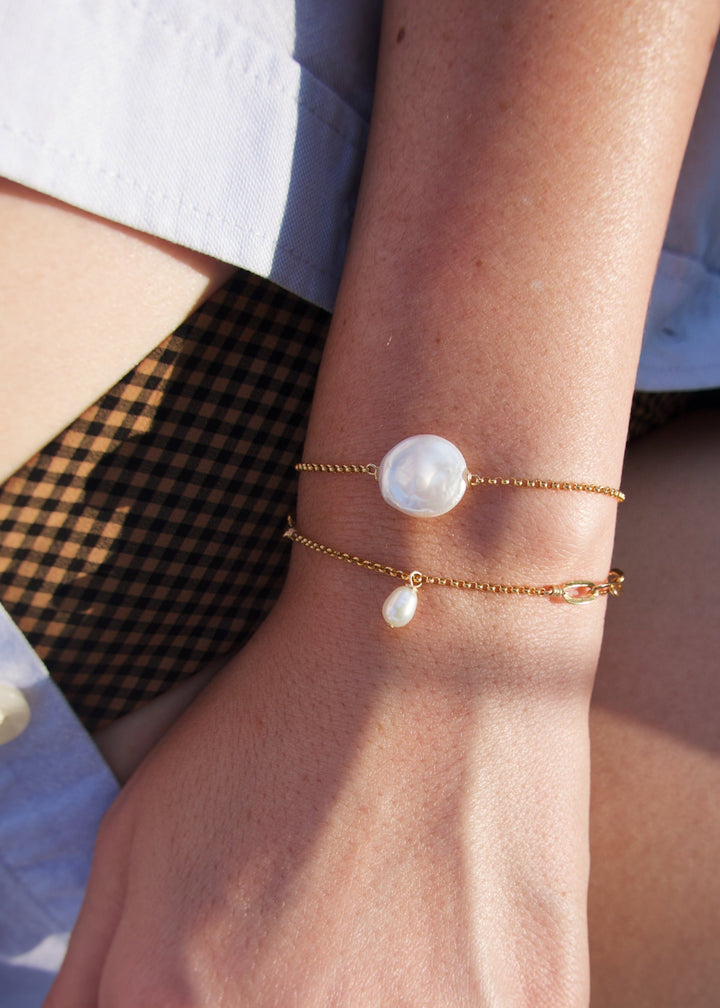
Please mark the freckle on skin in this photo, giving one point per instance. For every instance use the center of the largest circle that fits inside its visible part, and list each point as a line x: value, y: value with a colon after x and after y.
x: 400, y: 34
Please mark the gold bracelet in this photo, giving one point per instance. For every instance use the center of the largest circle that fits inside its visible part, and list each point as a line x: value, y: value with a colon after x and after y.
x: 399, y: 607
x: 426, y: 476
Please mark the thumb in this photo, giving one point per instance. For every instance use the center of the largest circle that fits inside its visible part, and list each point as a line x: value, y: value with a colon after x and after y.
x: 77, y: 985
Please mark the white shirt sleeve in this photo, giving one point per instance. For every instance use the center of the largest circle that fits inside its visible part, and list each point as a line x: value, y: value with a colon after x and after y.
x: 234, y: 128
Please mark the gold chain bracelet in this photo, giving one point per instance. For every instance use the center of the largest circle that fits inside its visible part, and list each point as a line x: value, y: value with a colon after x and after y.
x: 426, y: 476
x: 399, y: 607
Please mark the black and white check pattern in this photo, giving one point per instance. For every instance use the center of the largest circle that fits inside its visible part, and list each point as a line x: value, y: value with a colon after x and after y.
x: 145, y: 540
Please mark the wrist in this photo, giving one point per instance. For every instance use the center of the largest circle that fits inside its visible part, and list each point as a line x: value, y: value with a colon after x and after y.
x: 492, y: 568
x: 467, y: 784
x: 427, y: 479
x: 458, y: 638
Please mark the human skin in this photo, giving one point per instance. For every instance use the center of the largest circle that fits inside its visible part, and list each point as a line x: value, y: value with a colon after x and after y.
x: 655, y: 735
x: 655, y: 730
x: 350, y: 815
x: 83, y: 302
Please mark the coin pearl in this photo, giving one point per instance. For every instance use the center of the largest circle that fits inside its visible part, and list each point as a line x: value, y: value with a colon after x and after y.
x: 424, y: 476
x: 399, y: 607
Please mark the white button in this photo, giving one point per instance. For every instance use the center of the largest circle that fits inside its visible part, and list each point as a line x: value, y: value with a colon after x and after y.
x: 14, y: 713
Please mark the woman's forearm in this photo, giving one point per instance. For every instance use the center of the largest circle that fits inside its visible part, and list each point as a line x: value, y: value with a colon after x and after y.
x: 520, y: 171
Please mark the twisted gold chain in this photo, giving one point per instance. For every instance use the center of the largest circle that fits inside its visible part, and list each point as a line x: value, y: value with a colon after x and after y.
x: 474, y: 479
x: 544, y: 484
x: 575, y: 592
x: 322, y: 467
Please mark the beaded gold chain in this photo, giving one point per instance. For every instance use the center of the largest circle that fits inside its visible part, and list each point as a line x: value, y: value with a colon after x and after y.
x: 473, y: 479
x: 574, y: 592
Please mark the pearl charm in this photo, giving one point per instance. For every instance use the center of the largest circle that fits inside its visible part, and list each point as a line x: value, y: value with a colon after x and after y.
x: 400, y: 605
x: 423, y: 476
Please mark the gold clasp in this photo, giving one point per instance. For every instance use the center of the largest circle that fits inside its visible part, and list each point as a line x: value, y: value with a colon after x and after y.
x: 615, y: 582
x: 580, y: 592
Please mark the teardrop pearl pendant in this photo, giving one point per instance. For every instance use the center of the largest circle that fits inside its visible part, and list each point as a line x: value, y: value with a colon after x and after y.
x: 400, y: 605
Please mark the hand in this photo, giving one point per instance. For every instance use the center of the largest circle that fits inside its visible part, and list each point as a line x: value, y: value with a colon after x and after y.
x: 310, y: 834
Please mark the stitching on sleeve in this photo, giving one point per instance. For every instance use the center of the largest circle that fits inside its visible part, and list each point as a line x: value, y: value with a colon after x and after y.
x: 178, y: 202
x: 168, y: 26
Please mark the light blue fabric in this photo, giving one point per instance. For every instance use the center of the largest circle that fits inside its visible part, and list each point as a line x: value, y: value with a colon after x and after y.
x: 54, y: 789
x: 681, y: 348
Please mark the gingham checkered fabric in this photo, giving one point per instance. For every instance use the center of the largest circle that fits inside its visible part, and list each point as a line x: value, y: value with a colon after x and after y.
x: 144, y: 541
